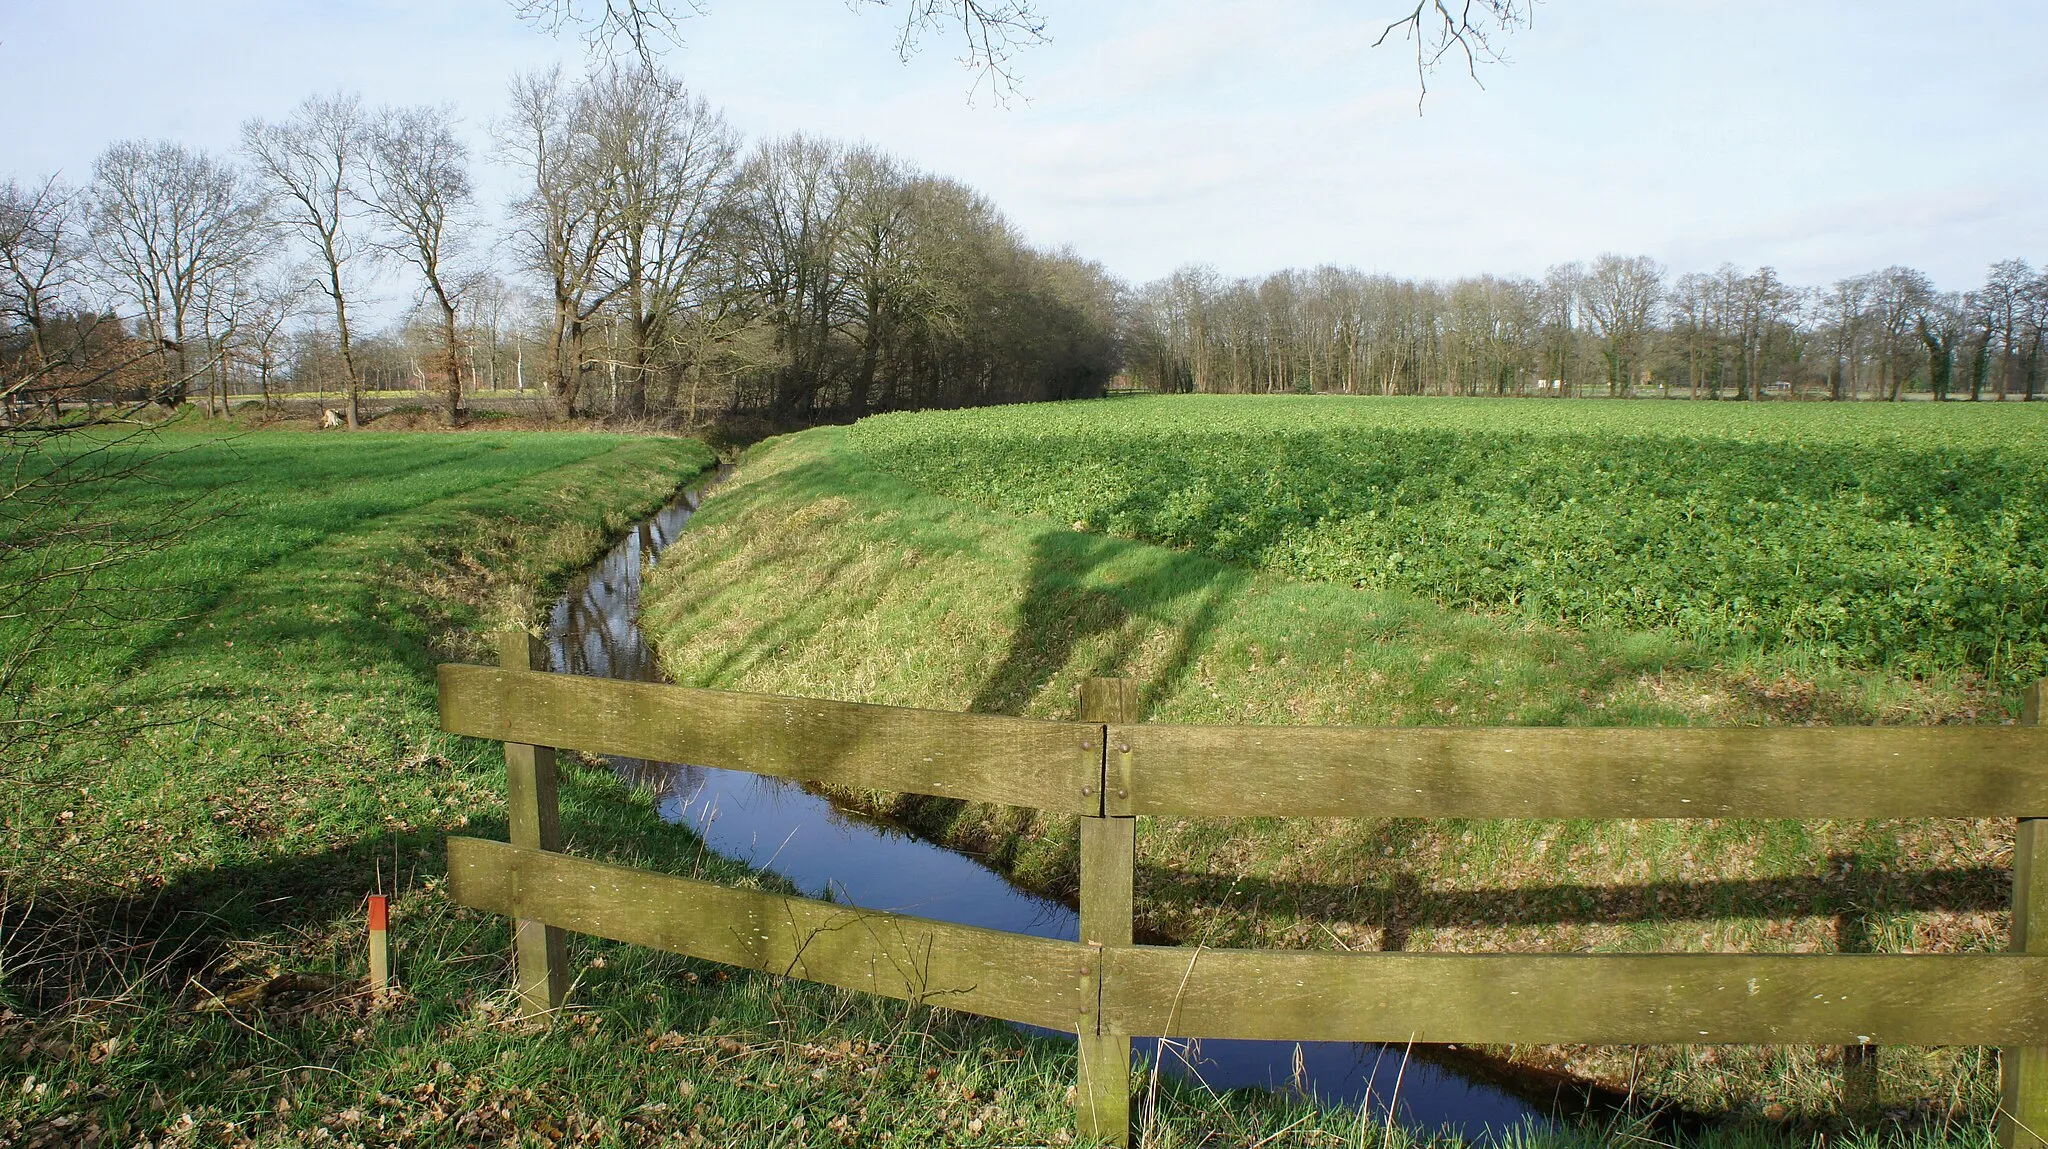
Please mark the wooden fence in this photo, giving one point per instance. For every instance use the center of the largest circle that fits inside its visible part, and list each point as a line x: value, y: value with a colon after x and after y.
x: 1107, y: 769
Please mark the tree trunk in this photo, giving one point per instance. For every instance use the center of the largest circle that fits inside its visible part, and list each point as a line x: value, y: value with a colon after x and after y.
x: 452, y: 357
x: 351, y: 381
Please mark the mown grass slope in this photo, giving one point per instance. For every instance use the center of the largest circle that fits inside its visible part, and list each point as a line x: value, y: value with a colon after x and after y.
x: 182, y: 919
x: 819, y: 570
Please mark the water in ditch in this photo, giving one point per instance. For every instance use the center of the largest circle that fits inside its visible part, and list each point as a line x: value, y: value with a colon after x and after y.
x: 824, y: 849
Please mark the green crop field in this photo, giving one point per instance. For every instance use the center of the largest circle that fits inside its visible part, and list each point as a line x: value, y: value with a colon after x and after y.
x: 1910, y: 537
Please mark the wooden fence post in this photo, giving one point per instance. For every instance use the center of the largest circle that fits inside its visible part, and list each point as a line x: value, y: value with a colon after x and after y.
x: 533, y: 814
x: 1109, y: 859
x: 2023, y: 1070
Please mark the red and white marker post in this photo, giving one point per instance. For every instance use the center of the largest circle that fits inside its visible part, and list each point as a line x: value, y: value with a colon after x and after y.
x: 380, y: 947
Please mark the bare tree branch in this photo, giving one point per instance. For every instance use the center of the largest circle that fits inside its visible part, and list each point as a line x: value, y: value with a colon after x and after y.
x: 646, y: 25
x: 990, y: 31
x: 1472, y: 28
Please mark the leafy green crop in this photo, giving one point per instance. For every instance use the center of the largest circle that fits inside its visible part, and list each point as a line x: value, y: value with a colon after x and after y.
x: 1906, y: 536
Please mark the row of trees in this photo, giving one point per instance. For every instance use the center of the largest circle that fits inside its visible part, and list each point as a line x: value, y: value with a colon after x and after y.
x: 656, y: 263
x: 799, y: 277
x: 1618, y: 326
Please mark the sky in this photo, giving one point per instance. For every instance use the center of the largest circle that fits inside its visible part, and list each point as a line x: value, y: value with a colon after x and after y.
x: 1822, y: 138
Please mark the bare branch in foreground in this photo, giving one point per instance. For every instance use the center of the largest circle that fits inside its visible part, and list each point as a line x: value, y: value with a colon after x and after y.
x: 1472, y: 28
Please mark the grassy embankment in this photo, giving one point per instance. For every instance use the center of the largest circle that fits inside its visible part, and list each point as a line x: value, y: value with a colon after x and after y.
x: 182, y: 918
x: 1560, y: 541
x: 181, y: 930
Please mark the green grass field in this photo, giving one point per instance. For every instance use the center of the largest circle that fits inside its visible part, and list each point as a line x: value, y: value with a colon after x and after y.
x: 181, y: 884
x: 181, y: 915
x: 977, y: 560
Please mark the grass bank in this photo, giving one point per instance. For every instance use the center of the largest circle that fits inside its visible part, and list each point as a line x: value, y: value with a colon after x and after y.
x: 817, y: 572
x: 181, y: 920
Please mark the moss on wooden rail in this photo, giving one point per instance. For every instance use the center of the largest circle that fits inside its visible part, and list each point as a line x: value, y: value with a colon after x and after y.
x: 978, y: 757
x: 1599, y: 772
x: 1010, y: 976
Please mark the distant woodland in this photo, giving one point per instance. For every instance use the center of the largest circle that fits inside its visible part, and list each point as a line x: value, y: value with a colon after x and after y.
x: 1618, y: 326
x: 656, y: 266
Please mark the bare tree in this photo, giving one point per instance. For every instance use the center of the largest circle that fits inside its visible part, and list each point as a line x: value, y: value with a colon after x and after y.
x: 664, y: 157
x: 39, y: 245
x: 1621, y: 296
x: 312, y: 164
x: 790, y: 203
x: 1696, y: 322
x: 1845, y: 306
x: 1762, y: 302
x: 420, y: 188
x: 278, y: 300
x: 1563, y: 301
x: 2004, y: 298
x: 990, y: 34
x: 1939, y: 324
x: 170, y: 228
x: 1898, y: 296
x: 889, y: 288
x: 565, y: 221
x: 2036, y: 297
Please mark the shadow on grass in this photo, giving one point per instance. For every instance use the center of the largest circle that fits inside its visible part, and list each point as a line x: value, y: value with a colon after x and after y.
x: 1080, y: 586
x: 1399, y: 904
x: 67, y: 945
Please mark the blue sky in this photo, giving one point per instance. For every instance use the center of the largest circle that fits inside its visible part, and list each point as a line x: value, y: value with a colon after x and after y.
x: 1822, y: 138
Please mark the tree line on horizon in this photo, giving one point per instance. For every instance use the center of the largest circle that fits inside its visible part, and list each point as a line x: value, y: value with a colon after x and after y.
x: 654, y: 265
x: 1619, y: 326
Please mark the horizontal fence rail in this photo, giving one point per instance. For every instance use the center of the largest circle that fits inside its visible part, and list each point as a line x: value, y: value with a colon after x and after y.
x: 979, y: 757
x: 1174, y: 991
x: 1579, y: 772
x: 1109, y: 769
x: 1589, y: 999
x: 1010, y: 976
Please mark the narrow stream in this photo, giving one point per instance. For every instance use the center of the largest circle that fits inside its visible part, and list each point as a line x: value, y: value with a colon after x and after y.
x: 823, y: 849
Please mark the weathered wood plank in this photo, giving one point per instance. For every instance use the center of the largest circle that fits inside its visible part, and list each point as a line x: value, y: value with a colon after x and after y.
x: 1534, y: 772
x: 533, y: 814
x: 1109, y: 864
x: 981, y: 757
x: 1618, y: 999
x: 1010, y: 976
x: 2023, y: 1069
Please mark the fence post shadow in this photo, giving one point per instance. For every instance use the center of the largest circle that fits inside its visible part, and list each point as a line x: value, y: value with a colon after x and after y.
x: 1861, y: 1093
